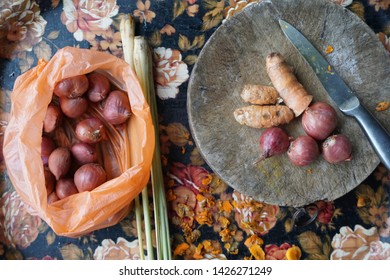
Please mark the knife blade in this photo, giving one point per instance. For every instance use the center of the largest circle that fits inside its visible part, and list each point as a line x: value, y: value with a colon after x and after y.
x: 340, y: 92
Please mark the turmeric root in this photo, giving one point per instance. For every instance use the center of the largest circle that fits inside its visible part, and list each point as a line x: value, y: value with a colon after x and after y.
x: 283, y: 79
x: 263, y: 116
x: 260, y: 94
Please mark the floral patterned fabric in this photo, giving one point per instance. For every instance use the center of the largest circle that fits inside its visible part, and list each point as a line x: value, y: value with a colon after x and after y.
x: 208, y: 219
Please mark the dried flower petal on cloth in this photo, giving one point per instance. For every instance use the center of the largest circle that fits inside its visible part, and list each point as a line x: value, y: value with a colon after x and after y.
x: 253, y: 216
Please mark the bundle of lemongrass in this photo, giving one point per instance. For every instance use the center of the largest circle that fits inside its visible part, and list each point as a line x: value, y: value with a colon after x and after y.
x: 137, y: 53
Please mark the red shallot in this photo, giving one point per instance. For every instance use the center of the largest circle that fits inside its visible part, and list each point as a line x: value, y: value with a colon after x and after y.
x: 89, y: 176
x: 65, y: 187
x: 50, y: 181
x: 273, y: 141
x: 319, y: 120
x: 52, y: 118
x: 47, y: 147
x: 337, y: 148
x: 99, y: 87
x: 83, y: 153
x: 117, y: 107
x: 71, y: 87
x: 52, y: 197
x: 73, y: 107
x: 90, y: 130
x: 59, y: 162
x: 303, y: 151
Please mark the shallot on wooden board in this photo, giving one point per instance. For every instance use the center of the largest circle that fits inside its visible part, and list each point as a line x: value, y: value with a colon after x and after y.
x: 235, y: 56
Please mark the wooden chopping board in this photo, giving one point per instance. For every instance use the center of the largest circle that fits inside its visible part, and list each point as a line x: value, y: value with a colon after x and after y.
x: 235, y: 56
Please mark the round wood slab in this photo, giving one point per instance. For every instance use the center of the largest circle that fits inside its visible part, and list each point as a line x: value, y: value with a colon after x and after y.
x: 235, y: 56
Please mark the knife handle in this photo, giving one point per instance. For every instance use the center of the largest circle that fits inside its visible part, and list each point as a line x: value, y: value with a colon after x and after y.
x: 376, y: 133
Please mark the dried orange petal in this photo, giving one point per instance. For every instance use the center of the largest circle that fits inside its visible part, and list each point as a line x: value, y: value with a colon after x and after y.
x: 180, y: 249
x: 293, y: 253
x: 382, y: 106
x: 257, y: 252
x: 329, y: 49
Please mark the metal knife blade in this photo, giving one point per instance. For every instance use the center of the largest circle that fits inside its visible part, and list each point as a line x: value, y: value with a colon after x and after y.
x: 341, y: 94
x: 333, y: 84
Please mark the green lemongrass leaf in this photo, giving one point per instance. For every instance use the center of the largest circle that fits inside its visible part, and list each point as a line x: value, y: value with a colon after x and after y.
x: 127, y: 31
x: 138, y: 219
x: 144, y: 69
x: 148, y: 226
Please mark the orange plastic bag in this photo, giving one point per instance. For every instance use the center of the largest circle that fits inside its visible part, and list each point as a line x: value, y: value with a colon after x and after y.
x: 106, y: 205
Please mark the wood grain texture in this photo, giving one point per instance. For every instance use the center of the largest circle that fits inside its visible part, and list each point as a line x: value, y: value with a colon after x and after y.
x: 235, y: 56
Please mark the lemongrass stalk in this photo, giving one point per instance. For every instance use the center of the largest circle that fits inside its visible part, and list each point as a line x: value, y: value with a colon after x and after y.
x: 139, y: 70
x: 148, y: 227
x: 138, y: 219
x: 157, y: 175
x: 143, y: 68
x: 127, y: 31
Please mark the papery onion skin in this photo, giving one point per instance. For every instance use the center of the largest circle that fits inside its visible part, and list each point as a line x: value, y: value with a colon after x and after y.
x: 303, y: 151
x: 65, y: 187
x: 99, y: 87
x: 50, y: 181
x: 72, y: 87
x: 319, y: 120
x: 83, y: 153
x: 273, y: 141
x: 52, y: 197
x: 89, y: 176
x: 73, y: 107
x: 337, y: 148
x: 59, y: 162
x: 90, y: 130
x: 47, y: 147
x: 117, y: 108
x: 52, y: 118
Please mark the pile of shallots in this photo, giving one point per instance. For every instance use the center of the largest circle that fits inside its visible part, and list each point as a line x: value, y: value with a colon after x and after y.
x: 73, y: 166
x: 319, y: 122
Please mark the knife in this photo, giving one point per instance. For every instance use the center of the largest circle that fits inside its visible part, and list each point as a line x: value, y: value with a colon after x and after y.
x: 341, y: 94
